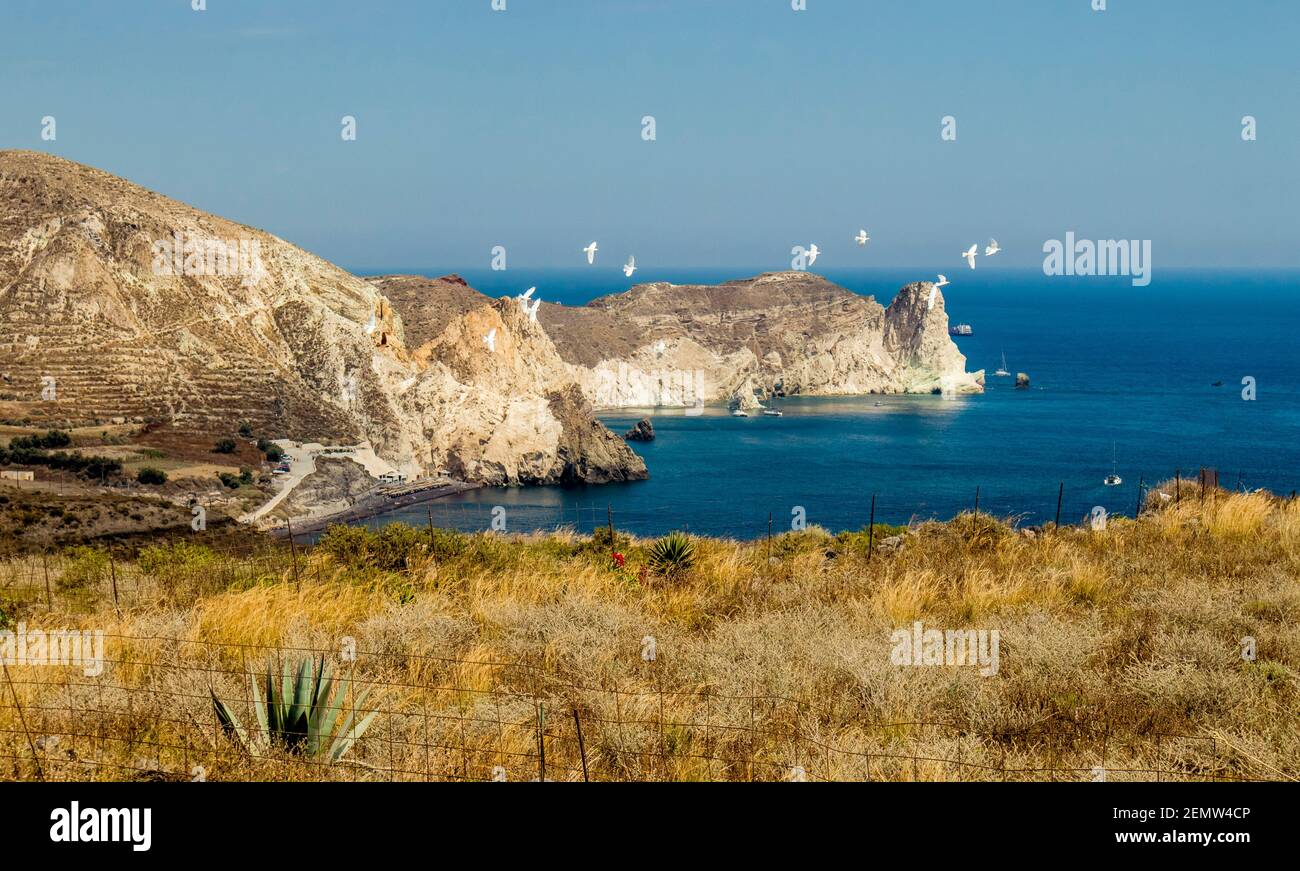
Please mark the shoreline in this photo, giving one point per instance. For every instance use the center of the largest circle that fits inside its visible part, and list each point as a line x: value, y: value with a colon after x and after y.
x: 380, y: 501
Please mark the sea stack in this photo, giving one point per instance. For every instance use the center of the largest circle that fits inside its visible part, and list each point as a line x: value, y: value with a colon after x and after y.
x: 644, y: 431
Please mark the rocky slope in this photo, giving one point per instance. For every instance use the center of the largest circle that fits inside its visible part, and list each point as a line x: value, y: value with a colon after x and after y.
x: 101, y: 320
x: 779, y: 333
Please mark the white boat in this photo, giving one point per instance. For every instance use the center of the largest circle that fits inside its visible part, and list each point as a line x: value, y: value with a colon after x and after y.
x: 1003, y: 373
x: 771, y: 412
x: 739, y: 412
x: 1113, y: 479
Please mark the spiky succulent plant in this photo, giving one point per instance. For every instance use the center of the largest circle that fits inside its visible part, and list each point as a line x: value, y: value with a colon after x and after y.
x: 300, y: 714
x: 672, y: 554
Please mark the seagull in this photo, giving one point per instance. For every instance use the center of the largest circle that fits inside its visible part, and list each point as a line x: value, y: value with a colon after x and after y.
x: 942, y: 282
x: 523, y: 302
x: 992, y: 248
x: 590, y: 251
x: 491, y: 340
x: 970, y: 255
x: 862, y: 238
x: 370, y: 327
x: 812, y: 253
x: 630, y: 267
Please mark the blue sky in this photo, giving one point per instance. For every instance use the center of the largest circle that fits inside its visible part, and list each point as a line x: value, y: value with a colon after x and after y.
x: 775, y: 127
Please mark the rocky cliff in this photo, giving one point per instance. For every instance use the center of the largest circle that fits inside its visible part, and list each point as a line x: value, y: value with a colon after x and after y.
x: 117, y: 301
x: 120, y: 302
x: 780, y: 333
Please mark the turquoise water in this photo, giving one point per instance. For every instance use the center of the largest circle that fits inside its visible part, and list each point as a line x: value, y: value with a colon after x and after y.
x: 1110, y: 364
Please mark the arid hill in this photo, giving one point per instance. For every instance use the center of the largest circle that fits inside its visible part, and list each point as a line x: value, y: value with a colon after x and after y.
x: 120, y: 302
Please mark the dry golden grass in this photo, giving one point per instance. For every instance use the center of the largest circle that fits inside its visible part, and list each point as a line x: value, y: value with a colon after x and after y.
x: 1119, y: 649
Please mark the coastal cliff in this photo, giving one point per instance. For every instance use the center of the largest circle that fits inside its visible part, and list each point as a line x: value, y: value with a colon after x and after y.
x: 121, y: 303
x: 782, y: 333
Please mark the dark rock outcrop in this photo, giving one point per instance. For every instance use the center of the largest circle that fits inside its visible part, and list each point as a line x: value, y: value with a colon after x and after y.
x: 644, y: 431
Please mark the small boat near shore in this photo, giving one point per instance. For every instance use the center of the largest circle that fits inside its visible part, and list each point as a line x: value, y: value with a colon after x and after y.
x: 961, y: 330
x: 739, y: 412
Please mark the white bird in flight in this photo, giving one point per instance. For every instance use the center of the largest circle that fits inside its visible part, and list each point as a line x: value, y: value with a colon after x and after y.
x: 590, y: 251
x: 813, y: 251
x: 491, y: 340
x: 630, y: 267
x: 970, y: 255
x: 527, y: 294
x: 942, y: 282
x: 862, y: 238
x: 992, y: 248
x: 370, y: 326
x: 531, y: 311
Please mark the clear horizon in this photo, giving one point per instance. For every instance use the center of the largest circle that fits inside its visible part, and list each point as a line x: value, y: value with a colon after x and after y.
x: 773, y: 127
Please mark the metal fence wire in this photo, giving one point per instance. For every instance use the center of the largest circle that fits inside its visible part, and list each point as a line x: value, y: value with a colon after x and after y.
x: 150, y: 715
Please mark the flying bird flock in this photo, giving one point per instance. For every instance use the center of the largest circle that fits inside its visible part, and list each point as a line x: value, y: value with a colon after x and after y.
x: 811, y: 253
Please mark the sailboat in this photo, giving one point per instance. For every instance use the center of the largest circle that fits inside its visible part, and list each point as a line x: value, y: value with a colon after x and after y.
x: 1113, y: 479
x: 772, y: 412
x: 1002, y: 372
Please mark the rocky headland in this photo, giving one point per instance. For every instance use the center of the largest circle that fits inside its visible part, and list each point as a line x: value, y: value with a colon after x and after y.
x: 114, y: 306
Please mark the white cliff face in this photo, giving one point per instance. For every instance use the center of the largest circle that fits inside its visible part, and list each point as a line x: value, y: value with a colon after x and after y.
x: 791, y: 333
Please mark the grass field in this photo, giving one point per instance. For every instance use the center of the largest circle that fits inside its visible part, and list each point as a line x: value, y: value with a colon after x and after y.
x: 1120, y: 653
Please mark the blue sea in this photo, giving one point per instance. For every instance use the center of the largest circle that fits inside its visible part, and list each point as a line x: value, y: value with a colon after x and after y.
x: 1122, y: 377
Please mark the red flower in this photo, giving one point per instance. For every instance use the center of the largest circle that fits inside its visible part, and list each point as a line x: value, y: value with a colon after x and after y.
x: 619, y: 559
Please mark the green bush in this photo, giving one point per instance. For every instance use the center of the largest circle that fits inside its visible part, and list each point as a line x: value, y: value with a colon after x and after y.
x: 224, y: 446
x: 85, y: 567
x: 349, y: 545
x: 273, y: 452
x: 395, y: 548
x: 398, y: 546
x: 170, y: 562
x: 151, y: 476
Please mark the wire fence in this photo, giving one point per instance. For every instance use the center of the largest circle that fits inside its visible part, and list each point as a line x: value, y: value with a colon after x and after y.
x: 150, y: 715
x: 147, y: 711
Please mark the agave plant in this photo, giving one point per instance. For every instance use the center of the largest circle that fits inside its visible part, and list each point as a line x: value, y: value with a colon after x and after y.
x: 672, y: 554
x: 298, y: 715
